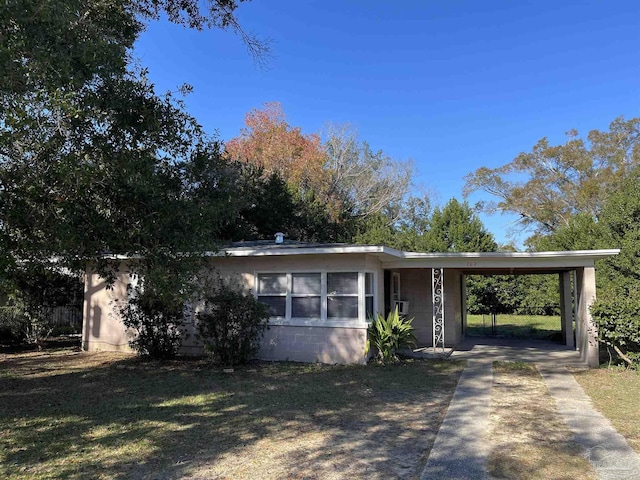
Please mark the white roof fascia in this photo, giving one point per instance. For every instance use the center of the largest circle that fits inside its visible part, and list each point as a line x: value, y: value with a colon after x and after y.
x: 483, y: 260
x: 258, y: 252
x: 392, y: 258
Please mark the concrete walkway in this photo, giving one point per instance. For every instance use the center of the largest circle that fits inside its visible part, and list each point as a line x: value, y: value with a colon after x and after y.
x: 461, y: 448
x: 608, y: 451
x: 540, y: 352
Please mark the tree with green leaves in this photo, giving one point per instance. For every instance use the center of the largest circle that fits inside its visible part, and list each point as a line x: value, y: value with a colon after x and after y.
x: 92, y: 159
x: 352, y: 181
x: 269, y: 204
x: 549, y: 185
x: 617, y: 307
x: 457, y: 228
x: 452, y: 228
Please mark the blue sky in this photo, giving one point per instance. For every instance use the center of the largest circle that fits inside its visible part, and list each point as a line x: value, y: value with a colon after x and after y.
x: 452, y: 85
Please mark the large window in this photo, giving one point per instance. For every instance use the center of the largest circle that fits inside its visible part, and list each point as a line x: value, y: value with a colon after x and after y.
x: 317, y: 297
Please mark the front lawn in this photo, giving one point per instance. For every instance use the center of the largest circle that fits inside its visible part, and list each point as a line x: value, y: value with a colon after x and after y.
x: 616, y: 394
x: 80, y: 415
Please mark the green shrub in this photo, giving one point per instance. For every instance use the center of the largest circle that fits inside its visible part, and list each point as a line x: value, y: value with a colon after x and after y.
x: 12, y: 325
x: 24, y: 323
x: 30, y: 296
x: 617, y: 315
x: 157, y: 320
x: 231, y: 324
x: 389, y: 334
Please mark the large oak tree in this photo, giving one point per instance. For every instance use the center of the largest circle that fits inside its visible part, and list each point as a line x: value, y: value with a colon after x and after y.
x: 92, y: 159
x: 550, y: 184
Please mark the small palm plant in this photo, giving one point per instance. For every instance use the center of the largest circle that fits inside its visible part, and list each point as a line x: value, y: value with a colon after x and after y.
x: 389, y: 334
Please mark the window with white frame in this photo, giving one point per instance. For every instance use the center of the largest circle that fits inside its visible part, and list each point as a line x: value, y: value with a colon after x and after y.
x: 395, y: 287
x: 306, y: 295
x: 330, y: 297
x: 342, y: 295
x: 368, y: 295
x: 272, y: 291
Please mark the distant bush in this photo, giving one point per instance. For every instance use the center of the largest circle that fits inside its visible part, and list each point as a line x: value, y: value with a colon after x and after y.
x: 231, y: 323
x: 30, y: 296
x: 12, y: 322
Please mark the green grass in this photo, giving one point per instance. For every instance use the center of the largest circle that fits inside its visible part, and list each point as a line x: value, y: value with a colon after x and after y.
x: 615, y: 393
x: 520, y: 326
x: 79, y: 415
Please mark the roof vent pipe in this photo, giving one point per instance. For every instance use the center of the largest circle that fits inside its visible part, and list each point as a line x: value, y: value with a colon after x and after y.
x: 279, y: 237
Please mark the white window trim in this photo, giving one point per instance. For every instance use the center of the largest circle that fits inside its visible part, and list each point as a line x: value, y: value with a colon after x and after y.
x: 323, y: 321
x: 291, y: 296
x: 394, y: 276
x: 287, y: 307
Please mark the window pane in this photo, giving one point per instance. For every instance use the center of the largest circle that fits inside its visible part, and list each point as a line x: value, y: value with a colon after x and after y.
x: 368, y: 283
x: 395, y: 287
x: 277, y: 305
x: 306, y: 283
x: 342, y: 283
x: 305, y: 307
x: 342, y: 307
x: 272, y: 283
x: 369, y: 306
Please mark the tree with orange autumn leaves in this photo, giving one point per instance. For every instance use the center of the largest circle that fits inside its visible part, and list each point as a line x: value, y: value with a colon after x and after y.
x: 269, y: 142
x: 343, y: 174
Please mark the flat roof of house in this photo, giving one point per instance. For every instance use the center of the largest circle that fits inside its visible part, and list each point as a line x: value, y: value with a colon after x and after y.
x: 392, y: 258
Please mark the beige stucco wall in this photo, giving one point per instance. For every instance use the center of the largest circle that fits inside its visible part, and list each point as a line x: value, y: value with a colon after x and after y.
x: 246, y: 268
x: 314, y: 344
x: 103, y: 328
x: 452, y: 307
x: 415, y: 288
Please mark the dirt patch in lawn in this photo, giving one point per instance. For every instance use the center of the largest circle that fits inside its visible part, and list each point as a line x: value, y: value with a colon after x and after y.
x: 79, y: 415
x: 528, y: 438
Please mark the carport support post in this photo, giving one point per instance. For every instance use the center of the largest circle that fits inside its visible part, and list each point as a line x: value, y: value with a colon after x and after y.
x: 566, y: 312
x: 588, y: 338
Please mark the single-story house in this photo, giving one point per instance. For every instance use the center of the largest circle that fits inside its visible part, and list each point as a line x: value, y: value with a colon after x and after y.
x: 321, y: 295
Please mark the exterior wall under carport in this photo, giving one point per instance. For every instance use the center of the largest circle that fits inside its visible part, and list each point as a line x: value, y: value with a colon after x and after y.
x: 416, y: 288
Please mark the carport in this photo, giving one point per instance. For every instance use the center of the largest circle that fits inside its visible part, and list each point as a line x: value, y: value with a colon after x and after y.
x: 433, y: 285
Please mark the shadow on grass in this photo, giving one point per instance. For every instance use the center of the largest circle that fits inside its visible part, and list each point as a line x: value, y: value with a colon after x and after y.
x: 51, y: 344
x: 64, y: 417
